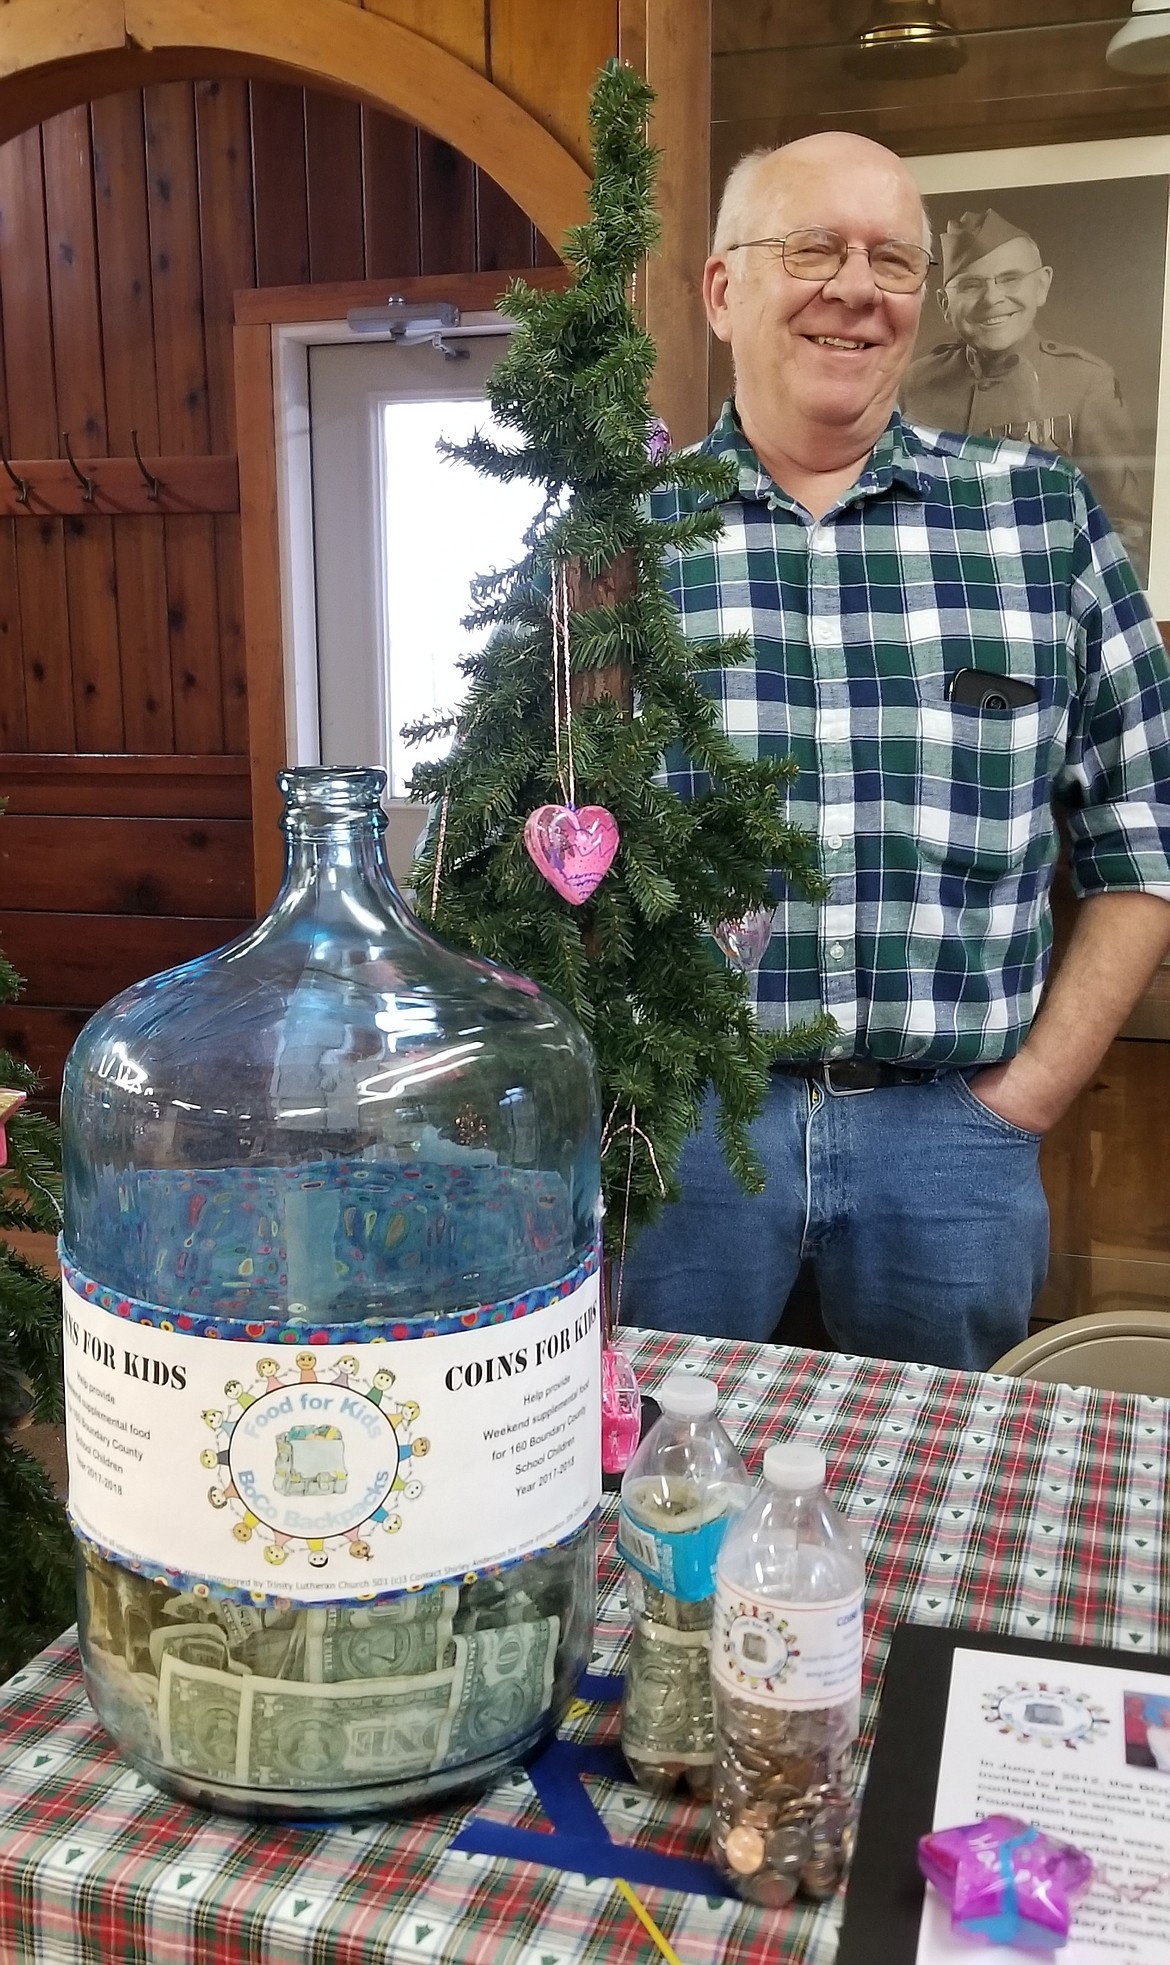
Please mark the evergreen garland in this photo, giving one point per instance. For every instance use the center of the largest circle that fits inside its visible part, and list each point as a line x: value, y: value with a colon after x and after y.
x: 36, y: 1549
x: 667, y: 1017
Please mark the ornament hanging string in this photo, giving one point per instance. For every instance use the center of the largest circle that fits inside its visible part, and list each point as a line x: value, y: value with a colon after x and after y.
x: 439, y: 852
x: 630, y: 1126
x: 561, y: 683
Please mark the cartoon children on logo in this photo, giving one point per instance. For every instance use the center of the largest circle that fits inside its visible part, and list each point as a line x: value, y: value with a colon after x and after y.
x: 313, y: 1463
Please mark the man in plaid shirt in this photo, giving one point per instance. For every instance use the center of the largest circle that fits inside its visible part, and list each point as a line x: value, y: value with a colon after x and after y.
x: 947, y: 636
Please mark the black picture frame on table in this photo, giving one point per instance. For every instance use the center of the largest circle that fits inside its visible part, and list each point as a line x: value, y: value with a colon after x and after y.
x: 885, y: 1892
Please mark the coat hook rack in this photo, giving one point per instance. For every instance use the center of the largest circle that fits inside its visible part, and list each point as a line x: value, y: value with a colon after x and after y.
x: 88, y: 485
x: 19, y: 485
x: 153, y: 484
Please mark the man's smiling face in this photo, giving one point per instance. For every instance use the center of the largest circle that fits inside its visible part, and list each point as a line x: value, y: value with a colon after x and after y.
x: 993, y: 303
x: 828, y: 354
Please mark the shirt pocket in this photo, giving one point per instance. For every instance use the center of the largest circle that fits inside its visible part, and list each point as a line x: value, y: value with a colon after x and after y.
x: 984, y: 798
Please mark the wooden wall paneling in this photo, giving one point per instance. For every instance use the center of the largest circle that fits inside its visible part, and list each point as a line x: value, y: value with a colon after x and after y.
x: 96, y: 656
x: 192, y: 622
x: 176, y: 269
x: 83, y: 959
x: 263, y: 631
x: 125, y: 866
x: 227, y: 237
x: 460, y: 26
x: 90, y: 578
x: 447, y: 198
x: 44, y: 627
x: 505, y: 239
x: 281, y: 189
x: 183, y: 414
x: 127, y: 311
x: 546, y: 58
x: 123, y: 240
x: 73, y: 286
x: 32, y: 432
x: 42, y: 1039
x: 389, y: 195
x: 13, y: 723
x: 24, y: 282
x: 333, y: 150
x: 113, y: 787
x: 678, y: 65
x: 232, y: 657
x: 148, y: 716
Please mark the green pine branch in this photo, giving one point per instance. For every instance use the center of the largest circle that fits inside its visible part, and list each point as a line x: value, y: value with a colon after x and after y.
x: 667, y: 1017
x: 36, y: 1560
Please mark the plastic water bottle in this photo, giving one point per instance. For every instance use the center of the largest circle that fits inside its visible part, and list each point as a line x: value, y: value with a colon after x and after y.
x: 683, y: 1485
x: 786, y: 1670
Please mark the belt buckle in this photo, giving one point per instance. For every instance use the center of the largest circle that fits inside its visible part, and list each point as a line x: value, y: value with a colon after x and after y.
x: 844, y: 1091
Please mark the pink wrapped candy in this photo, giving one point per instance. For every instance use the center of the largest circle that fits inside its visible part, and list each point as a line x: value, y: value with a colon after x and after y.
x: 1005, y: 1881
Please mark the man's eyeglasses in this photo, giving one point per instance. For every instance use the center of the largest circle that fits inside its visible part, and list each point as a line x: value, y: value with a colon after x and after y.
x: 810, y: 254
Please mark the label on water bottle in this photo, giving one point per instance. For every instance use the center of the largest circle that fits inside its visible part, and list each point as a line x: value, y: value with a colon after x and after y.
x: 283, y: 1463
x: 787, y: 1654
x: 682, y: 1564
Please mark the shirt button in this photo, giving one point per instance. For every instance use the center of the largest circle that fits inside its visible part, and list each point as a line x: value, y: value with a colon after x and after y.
x: 837, y: 951
x: 833, y: 841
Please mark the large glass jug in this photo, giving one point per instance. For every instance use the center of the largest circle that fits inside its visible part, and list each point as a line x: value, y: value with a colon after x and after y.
x: 330, y: 1258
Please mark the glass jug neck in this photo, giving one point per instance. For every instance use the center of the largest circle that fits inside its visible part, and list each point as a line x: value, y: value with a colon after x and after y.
x: 334, y: 823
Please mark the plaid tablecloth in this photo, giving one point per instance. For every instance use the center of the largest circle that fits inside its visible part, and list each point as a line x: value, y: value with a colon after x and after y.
x: 1006, y: 1506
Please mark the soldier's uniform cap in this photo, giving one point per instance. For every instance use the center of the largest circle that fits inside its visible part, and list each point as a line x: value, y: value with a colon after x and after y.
x: 968, y: 238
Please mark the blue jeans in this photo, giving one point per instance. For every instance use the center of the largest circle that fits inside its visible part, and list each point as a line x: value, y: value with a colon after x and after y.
x: 921, y: 1211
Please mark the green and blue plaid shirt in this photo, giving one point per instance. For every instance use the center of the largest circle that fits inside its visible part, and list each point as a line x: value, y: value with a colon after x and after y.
x: 934, y: 819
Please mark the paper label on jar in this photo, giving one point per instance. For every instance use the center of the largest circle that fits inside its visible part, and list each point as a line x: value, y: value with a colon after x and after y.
x: 787, y: 1654
x: 333, y: 1470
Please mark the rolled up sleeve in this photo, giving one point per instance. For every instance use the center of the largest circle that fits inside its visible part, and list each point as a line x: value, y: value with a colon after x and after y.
x: 1116, y: 779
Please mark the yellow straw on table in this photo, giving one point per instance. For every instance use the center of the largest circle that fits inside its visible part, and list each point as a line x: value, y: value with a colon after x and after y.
x: 643, y: 1916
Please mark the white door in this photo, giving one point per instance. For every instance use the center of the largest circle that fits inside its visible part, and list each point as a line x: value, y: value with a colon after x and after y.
x: 399, y: 533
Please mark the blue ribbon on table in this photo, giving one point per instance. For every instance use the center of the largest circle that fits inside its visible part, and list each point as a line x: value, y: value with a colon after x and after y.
x: 579, y: 1839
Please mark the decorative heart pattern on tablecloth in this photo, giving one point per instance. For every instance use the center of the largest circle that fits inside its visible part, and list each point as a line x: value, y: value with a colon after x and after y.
x: 743, y: 942
x: 574, y: 849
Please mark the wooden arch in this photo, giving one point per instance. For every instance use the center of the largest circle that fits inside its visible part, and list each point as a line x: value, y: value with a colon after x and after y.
x: 55, y: 55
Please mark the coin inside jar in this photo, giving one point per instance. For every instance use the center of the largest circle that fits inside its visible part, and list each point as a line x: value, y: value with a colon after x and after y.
x: 744, y: 1850
x: 787, y: 1848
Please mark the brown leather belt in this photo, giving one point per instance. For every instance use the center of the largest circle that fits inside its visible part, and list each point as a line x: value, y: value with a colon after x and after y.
x: 856, y: 1074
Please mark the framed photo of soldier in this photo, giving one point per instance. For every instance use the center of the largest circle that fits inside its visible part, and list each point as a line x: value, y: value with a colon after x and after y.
x: 1045, y: 319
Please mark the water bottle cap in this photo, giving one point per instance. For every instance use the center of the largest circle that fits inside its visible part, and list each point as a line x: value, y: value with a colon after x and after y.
x: 687, y: 1397
x: 790, y: 1463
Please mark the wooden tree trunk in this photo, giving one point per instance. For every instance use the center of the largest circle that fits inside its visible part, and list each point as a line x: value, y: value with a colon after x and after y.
x: 615, y: 583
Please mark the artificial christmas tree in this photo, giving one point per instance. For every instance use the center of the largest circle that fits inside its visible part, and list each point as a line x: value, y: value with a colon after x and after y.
x: 36, y: 1559
x: 584, y: 686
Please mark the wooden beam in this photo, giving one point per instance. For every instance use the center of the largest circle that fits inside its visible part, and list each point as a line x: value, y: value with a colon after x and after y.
x: 263, y: 630
x: 332, y: 43
x: 473, y: 292
x: 38, y: 32
x: 678, y: 68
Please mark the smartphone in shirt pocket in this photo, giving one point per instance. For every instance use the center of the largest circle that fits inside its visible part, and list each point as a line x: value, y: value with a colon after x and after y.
x: 982, y: 689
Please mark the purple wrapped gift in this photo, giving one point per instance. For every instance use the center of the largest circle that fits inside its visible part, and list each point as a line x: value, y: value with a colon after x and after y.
x: 1006, y: 1881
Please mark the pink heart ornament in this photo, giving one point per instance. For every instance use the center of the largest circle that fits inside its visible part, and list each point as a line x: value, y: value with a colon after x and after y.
x: 573, y: 849
x: 743, y: 942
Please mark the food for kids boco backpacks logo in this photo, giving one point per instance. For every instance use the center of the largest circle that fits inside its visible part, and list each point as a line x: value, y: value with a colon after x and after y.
x: 303, y: 1463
